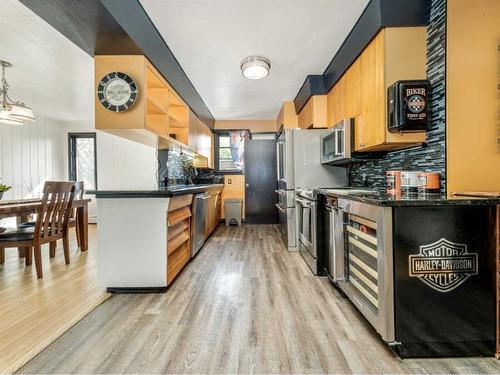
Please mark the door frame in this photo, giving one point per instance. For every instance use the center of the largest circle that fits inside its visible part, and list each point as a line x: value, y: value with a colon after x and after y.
x: 72, y: 137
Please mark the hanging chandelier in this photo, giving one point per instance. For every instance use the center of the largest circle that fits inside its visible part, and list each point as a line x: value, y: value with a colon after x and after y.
x: 12, y: 113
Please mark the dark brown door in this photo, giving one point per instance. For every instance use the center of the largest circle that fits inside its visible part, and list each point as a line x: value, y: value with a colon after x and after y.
x: 260, y: 180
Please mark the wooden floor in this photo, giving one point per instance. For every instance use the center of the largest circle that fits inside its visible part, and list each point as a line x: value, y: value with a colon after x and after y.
x: 243, y: 305
x: 33, y: 313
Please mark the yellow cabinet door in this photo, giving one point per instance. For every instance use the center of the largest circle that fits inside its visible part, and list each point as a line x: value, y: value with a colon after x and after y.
x: 370, y: 129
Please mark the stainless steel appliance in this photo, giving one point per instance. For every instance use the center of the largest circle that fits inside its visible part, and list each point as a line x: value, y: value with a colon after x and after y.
x: 306, y: 206
x: 198, y: 222
x: 362, y: 258
x: 337, y: 145
x: 298, y: 164
x: 333, y: 239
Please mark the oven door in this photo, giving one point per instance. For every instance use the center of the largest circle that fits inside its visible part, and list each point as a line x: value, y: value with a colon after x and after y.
x: 306, y: 214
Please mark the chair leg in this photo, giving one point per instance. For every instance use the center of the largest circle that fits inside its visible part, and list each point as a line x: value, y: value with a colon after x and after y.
x: 2, y: 255
x: 28, y: 256
x: 52, y: 249
x: 65, y: 240
x: 38, y: 261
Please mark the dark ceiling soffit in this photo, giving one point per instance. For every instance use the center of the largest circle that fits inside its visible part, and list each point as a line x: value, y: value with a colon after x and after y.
x: 87, y: 24
x: 377, y: 15
x: 134, y: 20
x: 313, y: 85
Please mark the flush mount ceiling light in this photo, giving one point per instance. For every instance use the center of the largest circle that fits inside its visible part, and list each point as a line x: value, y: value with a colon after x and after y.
x: 12, y: 113
x: 255, y: 67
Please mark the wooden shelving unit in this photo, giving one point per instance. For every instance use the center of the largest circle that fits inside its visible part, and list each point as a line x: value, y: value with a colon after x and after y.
x: 178, y: 235
x: 159, y: 114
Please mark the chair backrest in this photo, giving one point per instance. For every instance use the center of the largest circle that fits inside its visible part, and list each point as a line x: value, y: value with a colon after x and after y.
x: 78, y: 195
x: 53, y: 213
x: 79, y: 190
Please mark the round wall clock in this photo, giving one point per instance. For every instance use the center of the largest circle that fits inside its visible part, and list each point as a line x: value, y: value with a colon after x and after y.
x: 117, y: 92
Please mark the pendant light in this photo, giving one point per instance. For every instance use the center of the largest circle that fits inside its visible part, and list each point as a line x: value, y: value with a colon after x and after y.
x: 12, y: 113
x: 255, y: 67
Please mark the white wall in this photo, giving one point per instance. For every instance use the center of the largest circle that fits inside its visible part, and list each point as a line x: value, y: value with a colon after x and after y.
x: 29, y: 155
x: 33, y: 153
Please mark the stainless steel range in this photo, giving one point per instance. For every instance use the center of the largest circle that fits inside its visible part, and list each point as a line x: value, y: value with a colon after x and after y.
x: 306, y: 208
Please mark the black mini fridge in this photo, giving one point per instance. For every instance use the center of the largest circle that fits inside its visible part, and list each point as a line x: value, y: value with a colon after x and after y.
x: 444, y: 281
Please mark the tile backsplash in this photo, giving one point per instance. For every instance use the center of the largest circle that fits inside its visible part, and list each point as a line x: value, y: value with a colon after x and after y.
x: 431, y: 156
x: 176, y: 168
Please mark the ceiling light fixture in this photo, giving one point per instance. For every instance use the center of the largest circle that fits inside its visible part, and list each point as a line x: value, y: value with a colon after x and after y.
x: 255, y: 67
x: 12, y: 113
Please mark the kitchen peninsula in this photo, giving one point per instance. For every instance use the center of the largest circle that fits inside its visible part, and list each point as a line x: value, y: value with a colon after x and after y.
x: 145, y: 235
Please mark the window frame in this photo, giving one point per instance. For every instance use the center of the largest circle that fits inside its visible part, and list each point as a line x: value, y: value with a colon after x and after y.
x: 72, y: 137
x: 217, y: 135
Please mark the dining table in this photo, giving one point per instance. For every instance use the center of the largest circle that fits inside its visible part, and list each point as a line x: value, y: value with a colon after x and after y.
x: 21, y: 209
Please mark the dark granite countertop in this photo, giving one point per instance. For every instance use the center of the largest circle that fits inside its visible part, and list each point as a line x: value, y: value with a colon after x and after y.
x: 381, y: 198
x: 170, y: 191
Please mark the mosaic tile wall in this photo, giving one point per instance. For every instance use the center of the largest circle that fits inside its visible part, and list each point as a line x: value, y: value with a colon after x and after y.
x: 430, y: 157
x: 175, y: 166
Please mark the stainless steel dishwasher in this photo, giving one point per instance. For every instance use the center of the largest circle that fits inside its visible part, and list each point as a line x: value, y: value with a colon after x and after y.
x: 198, y: 222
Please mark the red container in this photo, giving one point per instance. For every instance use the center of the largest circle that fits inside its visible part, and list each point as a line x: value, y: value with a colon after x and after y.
x: 428, y: 182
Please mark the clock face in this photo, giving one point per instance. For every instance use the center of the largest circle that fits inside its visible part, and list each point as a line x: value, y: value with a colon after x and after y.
x: 117, y: 92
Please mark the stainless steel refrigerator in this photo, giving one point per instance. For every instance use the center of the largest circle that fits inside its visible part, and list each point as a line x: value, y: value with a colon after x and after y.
x: 299, y: 165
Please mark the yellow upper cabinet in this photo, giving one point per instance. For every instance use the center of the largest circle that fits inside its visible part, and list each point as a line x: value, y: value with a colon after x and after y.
x: 201, y: 142
x: 314, y: 113
x: 158, y: 113
x: 394, y: 54
x: 287, y: 118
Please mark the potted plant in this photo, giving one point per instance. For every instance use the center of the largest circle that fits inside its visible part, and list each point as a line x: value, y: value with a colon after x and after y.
x: 3, y: 189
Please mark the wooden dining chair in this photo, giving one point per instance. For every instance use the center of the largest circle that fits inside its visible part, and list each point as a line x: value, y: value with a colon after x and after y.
x: 72, y: 221
x: 51, y: 224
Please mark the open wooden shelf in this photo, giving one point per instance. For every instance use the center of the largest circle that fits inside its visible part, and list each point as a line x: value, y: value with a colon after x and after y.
x: 178, y: 235
x: 159, y: 113
x: 157, y: 100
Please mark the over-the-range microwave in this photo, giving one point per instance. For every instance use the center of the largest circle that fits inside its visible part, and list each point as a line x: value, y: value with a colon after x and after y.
x: 337, y: 145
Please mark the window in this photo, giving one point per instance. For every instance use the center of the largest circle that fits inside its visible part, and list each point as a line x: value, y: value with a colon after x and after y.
x: 230, y: 150
x: 82, y: 159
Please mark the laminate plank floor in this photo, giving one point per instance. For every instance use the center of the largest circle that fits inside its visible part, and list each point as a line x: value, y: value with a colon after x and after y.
x: 244, y: 304
x: 35, y: 312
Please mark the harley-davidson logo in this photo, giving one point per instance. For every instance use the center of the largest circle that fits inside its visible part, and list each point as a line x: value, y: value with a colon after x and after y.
x: 443, y: 265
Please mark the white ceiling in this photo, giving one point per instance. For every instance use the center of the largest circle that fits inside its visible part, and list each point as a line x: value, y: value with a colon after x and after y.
x: 209, y: 38
x: 50, y: 74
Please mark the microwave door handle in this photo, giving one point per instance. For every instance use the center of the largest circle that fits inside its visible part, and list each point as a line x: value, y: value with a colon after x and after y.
x: 338, y: 142
x: 335, y: 137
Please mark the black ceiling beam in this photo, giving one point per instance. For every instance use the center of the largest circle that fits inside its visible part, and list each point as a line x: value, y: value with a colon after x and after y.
x: 119, y: 27
x: 86, y: 23
x: 377, y: 15
x: 134, y: 20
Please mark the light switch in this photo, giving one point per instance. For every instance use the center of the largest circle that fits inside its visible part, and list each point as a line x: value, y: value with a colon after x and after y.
x: 229, y: 181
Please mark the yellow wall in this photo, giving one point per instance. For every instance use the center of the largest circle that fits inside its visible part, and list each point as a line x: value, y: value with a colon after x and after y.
x: 255, y: 126
x: 473, y: 99
x: 235, y: 189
